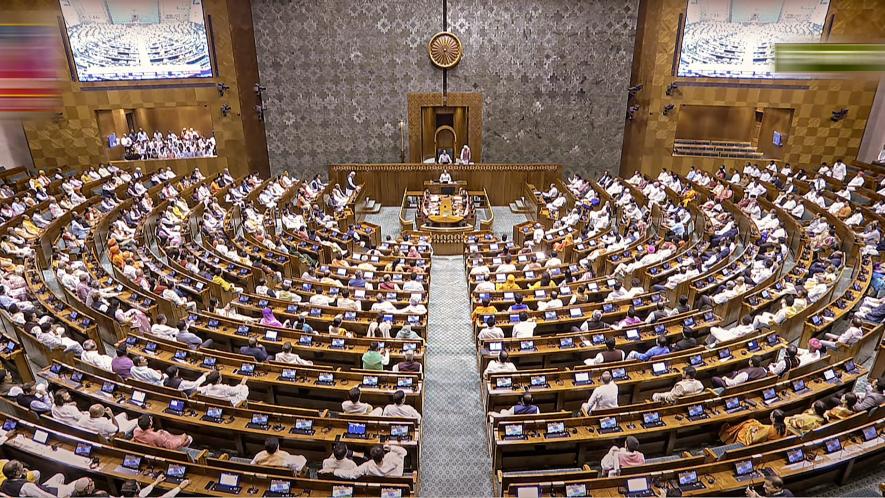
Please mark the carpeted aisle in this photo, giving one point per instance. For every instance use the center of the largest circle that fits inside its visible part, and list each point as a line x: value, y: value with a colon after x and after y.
x: 454, y: 455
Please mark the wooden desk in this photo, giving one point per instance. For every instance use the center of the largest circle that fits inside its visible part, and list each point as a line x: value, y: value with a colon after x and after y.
x: 503, y: 182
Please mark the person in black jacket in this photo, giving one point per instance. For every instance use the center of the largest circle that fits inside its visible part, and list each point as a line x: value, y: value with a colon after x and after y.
x: 688, y: 341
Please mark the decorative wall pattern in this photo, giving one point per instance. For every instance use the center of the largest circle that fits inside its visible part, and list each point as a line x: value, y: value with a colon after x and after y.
x: 553, y: 75
x: 813, y: 137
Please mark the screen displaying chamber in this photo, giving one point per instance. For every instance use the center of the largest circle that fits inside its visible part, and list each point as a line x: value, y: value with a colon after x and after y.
x: 736, y: 38
x: 114, y: 40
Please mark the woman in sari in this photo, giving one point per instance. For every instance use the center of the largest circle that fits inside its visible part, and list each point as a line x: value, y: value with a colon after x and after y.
x: 752, y: 431
x: 844, y: 409
x: 808, y: 420
x: 268, y: 318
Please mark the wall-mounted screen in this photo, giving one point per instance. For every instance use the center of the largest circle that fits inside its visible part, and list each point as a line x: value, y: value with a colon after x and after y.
x: 114, y: 40
x: 736, y: 38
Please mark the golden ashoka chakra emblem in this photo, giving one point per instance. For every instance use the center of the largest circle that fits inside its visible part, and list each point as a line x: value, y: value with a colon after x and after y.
x: 444, y: 50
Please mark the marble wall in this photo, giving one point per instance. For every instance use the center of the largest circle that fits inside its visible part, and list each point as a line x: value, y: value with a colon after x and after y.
x: 553, y: 75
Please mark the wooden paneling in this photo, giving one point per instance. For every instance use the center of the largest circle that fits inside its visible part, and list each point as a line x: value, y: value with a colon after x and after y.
x: 813, y: 137
x: 715, y: 122
x: 73, y: 138
x: 774, y: 120
x: 503, y: 182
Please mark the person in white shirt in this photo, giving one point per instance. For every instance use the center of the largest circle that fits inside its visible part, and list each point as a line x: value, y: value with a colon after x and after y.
x: 719, y: 334
x: 490, y: 330
x: 162, y: 330
x: 102, y: 421
x: 554, y: 302
x: 91, y: 356
x: 288, y: 357
x: 412, y: 285
x: 796, y: 357
x: 603, y: 397
x: 380, y: 464
x: 354, y: 406
x: 500, y: 365
x: 445, y: 177
x: 214, y: 388
x: 857, y: 181
x: 850, y: 336
x: 414, y: 308
x: 142, y: 372
x: 552, y: 261
x: 399, y: 408
x: 525, y: 327
x: 338, y: 461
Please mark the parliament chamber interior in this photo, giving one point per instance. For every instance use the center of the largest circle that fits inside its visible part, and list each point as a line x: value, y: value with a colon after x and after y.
x: 525, y: 249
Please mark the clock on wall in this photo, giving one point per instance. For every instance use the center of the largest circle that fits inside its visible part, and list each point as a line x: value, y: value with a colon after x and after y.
x: 445, y: 50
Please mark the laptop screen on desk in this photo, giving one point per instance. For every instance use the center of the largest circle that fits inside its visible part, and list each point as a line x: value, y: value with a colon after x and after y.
x: 637, y: 484
x: 175, y: 470
x: 743, y: 468
x: 556, y: 427
x: 229, y: 480
x: 280, y: 487
x: 686, y: 478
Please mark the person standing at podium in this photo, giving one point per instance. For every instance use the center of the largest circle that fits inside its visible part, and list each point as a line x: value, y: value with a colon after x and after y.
x: 351, y: 182
x: 445, y: 177
x: 465, y: 155
x: 444, y: 157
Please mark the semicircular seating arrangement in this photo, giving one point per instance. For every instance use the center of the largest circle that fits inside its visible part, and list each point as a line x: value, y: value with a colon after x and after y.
x: 209, y: 330
x: 689, y: 333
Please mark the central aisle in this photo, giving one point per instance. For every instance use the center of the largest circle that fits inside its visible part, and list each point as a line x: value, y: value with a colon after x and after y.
x: 454, y: 455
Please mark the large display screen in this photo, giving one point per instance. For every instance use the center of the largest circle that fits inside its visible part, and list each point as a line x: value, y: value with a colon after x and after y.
x: 115, y: 40
x: 736, y: 38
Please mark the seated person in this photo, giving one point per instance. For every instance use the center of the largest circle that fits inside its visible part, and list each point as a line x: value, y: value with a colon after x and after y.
x: 845, y: 408
x: 753, y: 371
x: 408, y: 365
x: 617, y: 457
x: 143, y: 373
x: 340, y: 460
x: 525, y: 406
x: 384, y: 461
x: 500, y: 365
x: 376, y: 357
x: 146, y: 434
x: 603, y: 397
x: 719, y: 334
x: 687, y: 386
x: 353, y: 405
x: 290, y: 358
x: 610, y: 355
x: 873, y: 396
x: 752, y: 431
x: 850, y: 336
x: 33, y: 397
x: 809, y: 420
x: 214, y: 388
x: 254, y: 350
x: 399, y: 408
x: 661, y: 347
x: 273, y: 456
x: 796, y: 357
